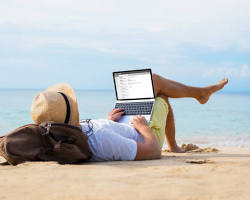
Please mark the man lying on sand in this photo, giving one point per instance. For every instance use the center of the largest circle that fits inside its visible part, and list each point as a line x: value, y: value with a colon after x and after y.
x: 109, y: 140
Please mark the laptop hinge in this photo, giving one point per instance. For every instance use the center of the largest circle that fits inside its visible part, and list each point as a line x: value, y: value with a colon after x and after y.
x: 136, y: 100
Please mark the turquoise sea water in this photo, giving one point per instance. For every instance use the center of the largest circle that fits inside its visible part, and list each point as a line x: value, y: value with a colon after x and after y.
x: 223, y: 121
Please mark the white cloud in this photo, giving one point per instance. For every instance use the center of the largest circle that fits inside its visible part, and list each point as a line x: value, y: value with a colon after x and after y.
x: 228, y: 71
x: 119, y: 26
x: 245, y: 71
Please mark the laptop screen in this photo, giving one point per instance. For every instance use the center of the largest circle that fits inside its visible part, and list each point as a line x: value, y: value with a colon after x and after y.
x: 136, y: 84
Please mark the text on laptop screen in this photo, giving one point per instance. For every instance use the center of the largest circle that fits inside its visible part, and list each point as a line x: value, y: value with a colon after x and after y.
x: 134, y: 85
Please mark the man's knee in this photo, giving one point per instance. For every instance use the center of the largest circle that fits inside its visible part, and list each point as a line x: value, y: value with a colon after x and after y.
x: 156, y: 82
x: 155, y: 77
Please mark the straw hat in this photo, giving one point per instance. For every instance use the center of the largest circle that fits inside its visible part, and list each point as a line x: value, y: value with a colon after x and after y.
x: 57, y: 103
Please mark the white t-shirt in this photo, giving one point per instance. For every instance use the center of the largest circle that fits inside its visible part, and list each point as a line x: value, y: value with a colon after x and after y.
x: 111, y: 140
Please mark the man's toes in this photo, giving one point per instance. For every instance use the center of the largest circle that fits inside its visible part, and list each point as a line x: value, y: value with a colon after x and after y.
x: 223, y: 82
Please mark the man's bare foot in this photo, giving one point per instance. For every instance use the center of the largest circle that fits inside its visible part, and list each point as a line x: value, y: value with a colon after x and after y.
x: 207, y: 91
x: 177, y: 149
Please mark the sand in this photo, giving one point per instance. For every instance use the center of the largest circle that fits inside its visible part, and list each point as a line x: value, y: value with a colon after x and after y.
x: 195, y: 175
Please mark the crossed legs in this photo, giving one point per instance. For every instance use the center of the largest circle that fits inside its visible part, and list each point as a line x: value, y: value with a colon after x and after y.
x: 166, y: 88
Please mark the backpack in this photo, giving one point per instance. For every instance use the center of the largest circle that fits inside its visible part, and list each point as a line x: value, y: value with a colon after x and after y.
x: 48, y: 141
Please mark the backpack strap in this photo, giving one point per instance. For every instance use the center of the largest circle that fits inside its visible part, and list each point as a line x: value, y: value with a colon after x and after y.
x: 45, y: 138
x: 49, y: 139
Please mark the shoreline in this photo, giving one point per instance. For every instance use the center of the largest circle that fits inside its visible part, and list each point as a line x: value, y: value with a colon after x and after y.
x: 195, y: 175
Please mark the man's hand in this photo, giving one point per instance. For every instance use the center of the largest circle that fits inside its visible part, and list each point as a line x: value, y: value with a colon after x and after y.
x: 115, y: 114
x: 139, y: 123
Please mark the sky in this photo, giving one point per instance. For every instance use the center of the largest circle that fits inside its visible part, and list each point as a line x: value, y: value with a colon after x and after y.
x: 82, y: 42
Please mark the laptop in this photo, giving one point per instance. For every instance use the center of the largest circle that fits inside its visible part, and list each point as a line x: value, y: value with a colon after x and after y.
x: 134, y: 93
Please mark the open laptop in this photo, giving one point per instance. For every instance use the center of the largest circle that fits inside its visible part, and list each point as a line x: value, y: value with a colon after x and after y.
x: 134, y: 93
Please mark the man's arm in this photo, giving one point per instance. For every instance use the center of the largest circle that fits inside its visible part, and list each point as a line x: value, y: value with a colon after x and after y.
x: 150, y: 147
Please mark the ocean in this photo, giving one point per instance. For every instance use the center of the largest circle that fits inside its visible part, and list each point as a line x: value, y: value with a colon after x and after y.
x: 224, y: 121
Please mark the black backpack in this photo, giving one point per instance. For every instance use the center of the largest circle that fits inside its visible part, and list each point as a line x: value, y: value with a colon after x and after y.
x: 48, y: 141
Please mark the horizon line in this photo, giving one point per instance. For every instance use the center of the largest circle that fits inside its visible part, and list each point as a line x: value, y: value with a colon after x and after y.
x: 106, y: 89
x: 46, y: 88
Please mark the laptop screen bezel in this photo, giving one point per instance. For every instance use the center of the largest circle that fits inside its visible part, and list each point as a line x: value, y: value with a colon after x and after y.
x: 131, y: 71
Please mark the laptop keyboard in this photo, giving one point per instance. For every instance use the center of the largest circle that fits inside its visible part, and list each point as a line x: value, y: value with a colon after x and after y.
x: 136, y: 108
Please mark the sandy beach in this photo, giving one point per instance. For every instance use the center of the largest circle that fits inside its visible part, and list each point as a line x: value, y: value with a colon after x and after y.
x: 189, y: 176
